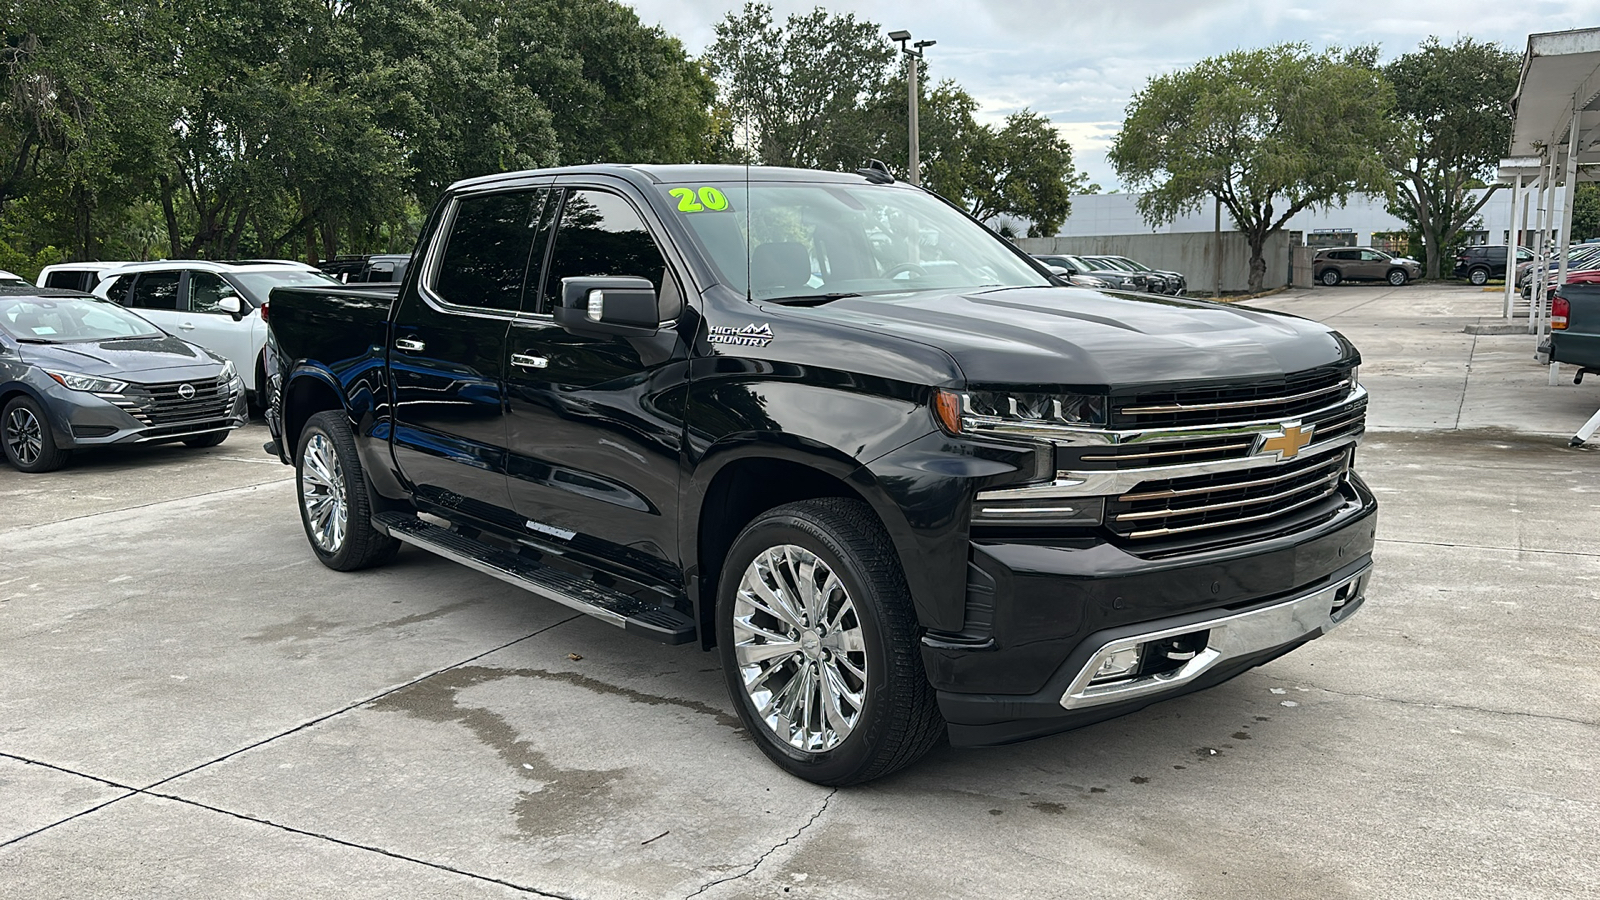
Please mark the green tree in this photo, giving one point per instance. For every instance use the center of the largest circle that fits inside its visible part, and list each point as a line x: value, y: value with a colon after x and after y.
x: 1451, y: 125
x: 802, y: 94
x: 1586, y: 211
x: 1269, y: 132
x: 617, y: 91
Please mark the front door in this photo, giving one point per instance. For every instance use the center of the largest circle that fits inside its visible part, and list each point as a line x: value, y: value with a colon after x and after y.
x: 596, y: 423
x: 447, y: 354
x: 208, y: 325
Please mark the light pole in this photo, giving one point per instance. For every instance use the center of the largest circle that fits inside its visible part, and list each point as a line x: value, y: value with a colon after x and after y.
x: 913, y: 57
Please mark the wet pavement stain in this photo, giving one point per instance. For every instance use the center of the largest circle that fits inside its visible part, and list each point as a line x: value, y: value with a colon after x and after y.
x: 563, y: 794
x: 1241, y: 736
x: 417, y: 618
x: 1139, y: 779
x: 1048, y: 808
x: 301, y: 628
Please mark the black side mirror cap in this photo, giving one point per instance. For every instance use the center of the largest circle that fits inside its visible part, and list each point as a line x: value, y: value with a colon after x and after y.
x: 620, y: 305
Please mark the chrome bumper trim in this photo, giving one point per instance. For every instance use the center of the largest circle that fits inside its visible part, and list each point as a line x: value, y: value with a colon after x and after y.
x: 1232, y: 636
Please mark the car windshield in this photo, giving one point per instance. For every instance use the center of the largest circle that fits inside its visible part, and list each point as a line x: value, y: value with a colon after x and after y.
x: 68, y: 320
x: 1135, y: 264
x: 257, y: 285
x: 800, y: 241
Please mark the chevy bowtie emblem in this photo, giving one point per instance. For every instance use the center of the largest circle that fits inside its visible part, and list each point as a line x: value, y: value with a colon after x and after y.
x: 1287, y: 443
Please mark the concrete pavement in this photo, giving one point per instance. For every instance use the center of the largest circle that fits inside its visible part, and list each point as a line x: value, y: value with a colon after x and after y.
x: 191, y: 706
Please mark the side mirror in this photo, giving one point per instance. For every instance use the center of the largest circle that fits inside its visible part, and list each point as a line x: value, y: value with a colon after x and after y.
x: 619, y: 305
x: 232, y: 306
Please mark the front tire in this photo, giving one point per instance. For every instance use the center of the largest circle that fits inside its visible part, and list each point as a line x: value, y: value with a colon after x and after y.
x: 1397, y: 277
x: 1329, y: 277
x: 334, y: 506
x: 1479, y: 276
x: 819, y: 645
x: 25, y: 434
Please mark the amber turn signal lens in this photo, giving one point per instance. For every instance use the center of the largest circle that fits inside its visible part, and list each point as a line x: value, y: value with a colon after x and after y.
x: 947, y: 408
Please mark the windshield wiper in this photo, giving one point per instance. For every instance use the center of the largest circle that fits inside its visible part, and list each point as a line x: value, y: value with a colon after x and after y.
x: 27, y: 340
x: 809, y: 299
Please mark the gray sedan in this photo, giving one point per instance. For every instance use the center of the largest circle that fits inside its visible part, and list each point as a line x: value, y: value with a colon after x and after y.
x: 76, y: 371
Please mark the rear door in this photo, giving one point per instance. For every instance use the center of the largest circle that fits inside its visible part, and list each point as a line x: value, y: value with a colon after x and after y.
x: 447, y: 353
x: 596, y: 423
x: 156, y: 296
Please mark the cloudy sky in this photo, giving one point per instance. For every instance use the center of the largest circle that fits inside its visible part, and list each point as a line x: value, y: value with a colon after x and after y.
x: 1079, y: 63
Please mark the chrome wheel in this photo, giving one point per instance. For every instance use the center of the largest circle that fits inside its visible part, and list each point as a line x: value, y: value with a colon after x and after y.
x: 800, y: 650
x: 24, y: 436
x: 322, y: 493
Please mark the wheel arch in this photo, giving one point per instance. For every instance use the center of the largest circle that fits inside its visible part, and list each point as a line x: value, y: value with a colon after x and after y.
x: 742, y: 478
x: 307, y: 392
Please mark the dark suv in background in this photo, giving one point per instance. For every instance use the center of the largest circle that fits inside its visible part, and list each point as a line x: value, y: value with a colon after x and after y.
x: 1479, y: 264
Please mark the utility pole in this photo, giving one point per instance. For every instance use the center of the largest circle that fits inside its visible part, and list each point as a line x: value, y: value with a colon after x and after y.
x: 913, y: 57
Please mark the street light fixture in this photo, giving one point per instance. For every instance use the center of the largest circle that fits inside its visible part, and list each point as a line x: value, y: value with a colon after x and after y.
x: 913, y: 57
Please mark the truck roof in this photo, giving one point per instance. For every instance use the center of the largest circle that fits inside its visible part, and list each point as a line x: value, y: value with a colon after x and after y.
x: 654, y: 174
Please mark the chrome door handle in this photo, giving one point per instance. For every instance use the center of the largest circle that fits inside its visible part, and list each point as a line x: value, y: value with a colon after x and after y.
x: 528, y: 361
x: 409, y: 345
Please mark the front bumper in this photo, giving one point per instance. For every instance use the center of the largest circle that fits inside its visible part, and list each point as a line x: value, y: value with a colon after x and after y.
x: 1059, y: 610
x: 80, y: 419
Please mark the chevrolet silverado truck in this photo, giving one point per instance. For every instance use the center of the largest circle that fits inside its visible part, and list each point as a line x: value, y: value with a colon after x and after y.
x: 905, y: 482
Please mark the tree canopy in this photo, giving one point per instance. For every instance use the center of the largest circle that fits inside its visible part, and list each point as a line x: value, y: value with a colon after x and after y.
x: 1268, y: 132
x: 1450, y: 124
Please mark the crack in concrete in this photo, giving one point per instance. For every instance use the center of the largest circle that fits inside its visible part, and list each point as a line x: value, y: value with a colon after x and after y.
x: 150, y: 788
x: 1459, y: 707
x: 771, y: 850
x: 1466, y: 381
x: 122, y: 509
x: 1482, y: 547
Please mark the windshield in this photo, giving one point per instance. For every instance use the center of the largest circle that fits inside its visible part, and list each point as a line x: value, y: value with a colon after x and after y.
x: 1135, y: 265
x: 67, y: 320
x: 257, y: 285
x: 823, y: 240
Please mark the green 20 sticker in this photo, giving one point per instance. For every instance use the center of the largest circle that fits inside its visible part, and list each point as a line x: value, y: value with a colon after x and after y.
x: 690, y: 200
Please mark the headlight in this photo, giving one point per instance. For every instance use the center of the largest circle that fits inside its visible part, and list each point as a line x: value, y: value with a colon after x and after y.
x: 1020, y: 413
x: 228, y: 371
x: 1355, y: 377
x: 88, y: 382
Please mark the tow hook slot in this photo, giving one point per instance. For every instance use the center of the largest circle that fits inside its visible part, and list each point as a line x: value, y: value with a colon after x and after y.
x: 1150, y: 658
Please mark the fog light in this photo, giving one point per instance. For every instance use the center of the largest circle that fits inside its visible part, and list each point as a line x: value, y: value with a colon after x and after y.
x: 1118, y: 664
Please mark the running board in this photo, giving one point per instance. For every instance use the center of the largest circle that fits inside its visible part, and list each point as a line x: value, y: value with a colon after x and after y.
x: 635, y: 616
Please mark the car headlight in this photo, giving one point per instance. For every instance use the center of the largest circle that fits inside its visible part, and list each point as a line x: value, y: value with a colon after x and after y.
x: 1355, y: 377
x: 229, y: 373
x: 88, y: 382
x: 1020, y: 413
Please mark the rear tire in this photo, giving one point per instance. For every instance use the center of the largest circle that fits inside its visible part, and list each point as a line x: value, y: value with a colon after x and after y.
x: 819, y: 644
x: 25, y: 434
x: 334, y: 506
x: 1329, y: 277
x: 206, y: 440
x: 1478, y: 276
x: 1398, y: 277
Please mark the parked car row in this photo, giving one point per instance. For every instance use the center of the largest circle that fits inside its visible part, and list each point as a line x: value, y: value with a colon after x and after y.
x: 1115, y: 272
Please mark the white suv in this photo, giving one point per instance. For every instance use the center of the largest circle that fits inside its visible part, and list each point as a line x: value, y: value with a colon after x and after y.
x: 214, y: 304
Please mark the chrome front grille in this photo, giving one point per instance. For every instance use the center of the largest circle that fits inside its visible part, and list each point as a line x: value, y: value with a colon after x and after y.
x: 164, y: 404
x: 1290, y: 396
x: 1178, y: 506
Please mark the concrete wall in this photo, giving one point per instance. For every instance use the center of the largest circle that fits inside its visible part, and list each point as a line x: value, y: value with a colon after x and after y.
x: 1189, y: 253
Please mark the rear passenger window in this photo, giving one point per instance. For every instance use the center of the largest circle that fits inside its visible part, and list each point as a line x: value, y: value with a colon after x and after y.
x: 600, y: 234
x: 486, y: 256
x: 156, y: 290
x: 117, y: 291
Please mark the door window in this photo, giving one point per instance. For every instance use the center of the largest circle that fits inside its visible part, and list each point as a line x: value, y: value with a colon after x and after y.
x: 117, y: 291
x: 486, y: 256
x: 600, y: 234
x: 1372, y: 256
x: 156, y: 290
x: 206, y: 290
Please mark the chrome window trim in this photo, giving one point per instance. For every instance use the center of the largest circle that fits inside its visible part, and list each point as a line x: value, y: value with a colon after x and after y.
x: 436, y: 246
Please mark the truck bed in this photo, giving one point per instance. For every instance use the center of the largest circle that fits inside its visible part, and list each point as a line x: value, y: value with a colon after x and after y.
x: 329, y: 324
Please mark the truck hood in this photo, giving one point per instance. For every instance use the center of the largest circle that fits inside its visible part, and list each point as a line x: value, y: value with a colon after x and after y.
x: 144, y: 360
x: 1086, y: 338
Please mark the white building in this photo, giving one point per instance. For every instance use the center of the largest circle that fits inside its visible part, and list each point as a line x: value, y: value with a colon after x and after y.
x: 1354, y: 224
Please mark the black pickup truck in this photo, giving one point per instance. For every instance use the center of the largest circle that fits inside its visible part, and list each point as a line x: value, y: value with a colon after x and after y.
x: 907, y: 483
